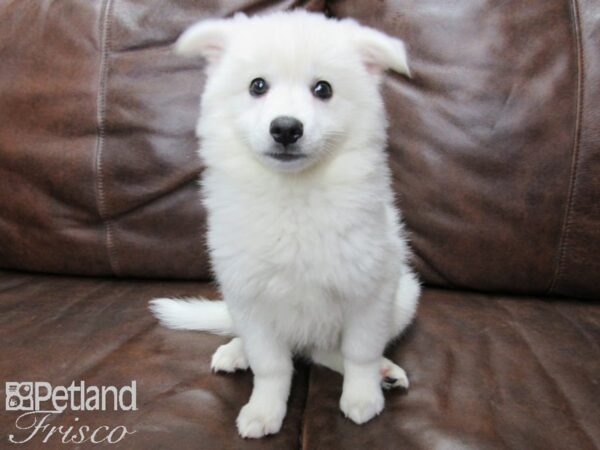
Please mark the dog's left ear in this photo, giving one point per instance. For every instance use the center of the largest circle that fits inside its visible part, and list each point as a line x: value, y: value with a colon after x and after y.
x: 207, y: 39
x: 381, y: 52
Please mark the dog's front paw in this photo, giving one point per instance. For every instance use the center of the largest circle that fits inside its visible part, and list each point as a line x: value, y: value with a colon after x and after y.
x: 260, y: 418
x: 229, y: 357
x: 360, y: 406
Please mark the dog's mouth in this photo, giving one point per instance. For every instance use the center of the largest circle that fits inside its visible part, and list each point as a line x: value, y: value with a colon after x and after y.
x: 286, y: 156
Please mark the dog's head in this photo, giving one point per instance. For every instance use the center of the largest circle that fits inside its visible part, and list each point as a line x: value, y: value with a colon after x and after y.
x: 291, y: 89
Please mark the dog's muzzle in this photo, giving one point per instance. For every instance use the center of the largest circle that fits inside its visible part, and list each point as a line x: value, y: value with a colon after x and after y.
x: 286, y: 131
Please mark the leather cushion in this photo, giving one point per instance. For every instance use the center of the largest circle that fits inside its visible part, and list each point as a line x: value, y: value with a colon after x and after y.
x: 98, y: 163
x: 494, y: 142
x: 486, y: 371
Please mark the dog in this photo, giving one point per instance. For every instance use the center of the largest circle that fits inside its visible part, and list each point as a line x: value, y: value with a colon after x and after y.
x: 306, y: 244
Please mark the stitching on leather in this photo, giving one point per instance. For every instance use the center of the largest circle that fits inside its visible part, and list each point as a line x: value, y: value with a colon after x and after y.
x: 101, y: 130
x: 566, y: 226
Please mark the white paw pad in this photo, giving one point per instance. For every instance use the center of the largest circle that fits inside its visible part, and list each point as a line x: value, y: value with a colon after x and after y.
x: 258, y: 419
x: 229, y: 357
x: 393, y: 376
x: 360, y: 407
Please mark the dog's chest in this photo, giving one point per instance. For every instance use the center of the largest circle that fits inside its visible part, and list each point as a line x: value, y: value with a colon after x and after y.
x: 289, y: 240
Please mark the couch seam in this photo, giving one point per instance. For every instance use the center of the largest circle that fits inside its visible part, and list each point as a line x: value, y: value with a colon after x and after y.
x: 566, y: 225
x: 101, y: 132
x: 327, y: 8
x: 302, y: 428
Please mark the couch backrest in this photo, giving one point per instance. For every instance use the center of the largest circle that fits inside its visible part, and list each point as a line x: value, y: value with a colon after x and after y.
x: 493, y: 143
x: 98, y: 163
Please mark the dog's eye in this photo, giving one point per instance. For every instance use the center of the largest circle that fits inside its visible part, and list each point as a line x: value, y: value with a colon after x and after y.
x: 258, y: 87
x: 322, y: 90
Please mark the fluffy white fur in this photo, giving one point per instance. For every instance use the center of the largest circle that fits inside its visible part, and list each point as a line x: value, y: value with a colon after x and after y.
x: 309, y: 254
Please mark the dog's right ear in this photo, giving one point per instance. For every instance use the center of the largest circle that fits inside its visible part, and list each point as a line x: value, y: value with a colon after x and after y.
x: 207, y: 39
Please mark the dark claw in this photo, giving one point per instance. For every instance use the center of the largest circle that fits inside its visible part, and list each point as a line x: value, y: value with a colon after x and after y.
x: 389, y: 382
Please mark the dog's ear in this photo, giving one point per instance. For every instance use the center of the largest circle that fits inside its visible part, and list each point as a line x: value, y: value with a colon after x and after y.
x: 207, y: 39
x: 381, y: 52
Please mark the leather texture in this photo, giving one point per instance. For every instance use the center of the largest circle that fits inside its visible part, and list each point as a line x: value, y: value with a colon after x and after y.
x: 495, y: 151
x: 494, y: 143
x: 578, y: 266
x: 487, y: 372
x: 98, y: 163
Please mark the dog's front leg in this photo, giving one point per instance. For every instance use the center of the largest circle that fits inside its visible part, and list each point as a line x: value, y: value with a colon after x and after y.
x: 364, y: 338
x: 271, y: 363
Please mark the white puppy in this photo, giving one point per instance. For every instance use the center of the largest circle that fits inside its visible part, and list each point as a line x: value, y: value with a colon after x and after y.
x: 306, y: 243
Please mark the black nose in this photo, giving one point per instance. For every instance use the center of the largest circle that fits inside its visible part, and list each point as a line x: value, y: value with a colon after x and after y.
x: 286, y: 130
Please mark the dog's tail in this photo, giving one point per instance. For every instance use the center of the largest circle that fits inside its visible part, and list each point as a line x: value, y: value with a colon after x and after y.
x: 407, y: 298
x: 193, y: 314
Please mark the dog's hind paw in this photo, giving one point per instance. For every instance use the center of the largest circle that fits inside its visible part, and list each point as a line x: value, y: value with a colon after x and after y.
x: 393, y: 376
x: 229, y: 357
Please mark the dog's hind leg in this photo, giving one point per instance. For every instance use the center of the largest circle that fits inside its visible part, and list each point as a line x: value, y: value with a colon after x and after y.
x: 230, y: 357
x: 392, y: 375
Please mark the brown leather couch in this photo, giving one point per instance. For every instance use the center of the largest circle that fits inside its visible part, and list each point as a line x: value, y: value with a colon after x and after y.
x: 495, y: 149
